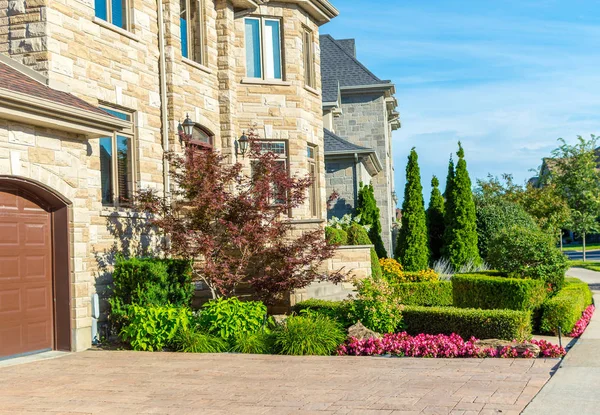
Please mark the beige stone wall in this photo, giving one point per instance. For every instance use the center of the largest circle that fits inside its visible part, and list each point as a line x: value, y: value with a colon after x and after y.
x: 58, y: 160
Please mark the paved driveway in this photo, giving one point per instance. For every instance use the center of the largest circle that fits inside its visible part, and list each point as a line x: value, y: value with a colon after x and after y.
x: 130, y: 382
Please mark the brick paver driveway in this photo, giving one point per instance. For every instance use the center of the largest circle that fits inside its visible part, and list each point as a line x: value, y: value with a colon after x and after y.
x: 129, y: 382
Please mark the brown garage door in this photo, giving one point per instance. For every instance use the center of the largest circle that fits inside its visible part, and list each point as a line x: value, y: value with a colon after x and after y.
x: 25, y: 275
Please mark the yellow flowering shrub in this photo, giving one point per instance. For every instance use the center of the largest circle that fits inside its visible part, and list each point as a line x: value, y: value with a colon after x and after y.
x: 394, y: 273
x: 390, y: 267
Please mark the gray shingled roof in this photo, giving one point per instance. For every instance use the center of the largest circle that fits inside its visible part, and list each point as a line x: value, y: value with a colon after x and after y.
x: 336, y: 144
x: 338, y: 64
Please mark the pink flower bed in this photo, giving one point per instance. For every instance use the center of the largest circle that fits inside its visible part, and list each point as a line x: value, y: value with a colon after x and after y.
x: 440, y: 345
x: 583, y: 322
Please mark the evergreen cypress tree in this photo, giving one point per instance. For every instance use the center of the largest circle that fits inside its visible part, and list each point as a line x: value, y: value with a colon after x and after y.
x: 461, y: 238
x: 448, y: 208
x: 412, y: 249
x: 366, y: 207
x: 435, y: 220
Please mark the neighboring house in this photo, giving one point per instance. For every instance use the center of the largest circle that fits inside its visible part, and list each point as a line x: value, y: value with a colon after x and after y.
x: 360, y: 109
x: 91, y: 95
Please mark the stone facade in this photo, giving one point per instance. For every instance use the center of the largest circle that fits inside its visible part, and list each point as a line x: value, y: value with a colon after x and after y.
x: 112, y: 67
x: 364, y: 120
x: 344, y: 175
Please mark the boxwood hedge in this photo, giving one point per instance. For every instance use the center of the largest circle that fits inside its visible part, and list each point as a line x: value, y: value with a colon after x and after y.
x: 467, y: 322
x: 565, y: 308
x: 490, y: 292
x: 434, y: 293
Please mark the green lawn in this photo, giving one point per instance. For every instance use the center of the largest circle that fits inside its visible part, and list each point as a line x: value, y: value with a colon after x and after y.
x: 591, y: 265
x: 579, y: 248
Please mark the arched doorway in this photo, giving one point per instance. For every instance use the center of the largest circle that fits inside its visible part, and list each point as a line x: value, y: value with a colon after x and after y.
x: 34, y: 268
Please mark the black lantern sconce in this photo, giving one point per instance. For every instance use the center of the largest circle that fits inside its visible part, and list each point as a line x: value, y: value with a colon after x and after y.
x: 186, y: 129
x: 241, y: 144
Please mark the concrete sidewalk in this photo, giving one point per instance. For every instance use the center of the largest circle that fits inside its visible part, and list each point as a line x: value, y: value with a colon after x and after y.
x: 574, y: 388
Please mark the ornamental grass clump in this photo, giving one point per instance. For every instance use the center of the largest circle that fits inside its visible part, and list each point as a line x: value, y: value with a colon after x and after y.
x: 308, y: 335
x: 192, y: 341
x: 253, y: 343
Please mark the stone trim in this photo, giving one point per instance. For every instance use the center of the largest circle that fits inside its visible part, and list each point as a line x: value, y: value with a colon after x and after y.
x: 196, y: 65
x: 343, y: 247
x: 116, y: 29
x: 259, y: 81
x: 312, y: 90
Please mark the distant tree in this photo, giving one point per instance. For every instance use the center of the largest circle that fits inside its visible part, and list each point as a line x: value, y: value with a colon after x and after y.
x: 448, y: 196
x: 412, y: 249
x: 461, y: 222
x: 369, y: 213
x: 435, y: 220
x: 574, y: 170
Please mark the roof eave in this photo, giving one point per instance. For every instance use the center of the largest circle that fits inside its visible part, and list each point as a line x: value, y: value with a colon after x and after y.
x: 322, y: 11
x: 387, y: 88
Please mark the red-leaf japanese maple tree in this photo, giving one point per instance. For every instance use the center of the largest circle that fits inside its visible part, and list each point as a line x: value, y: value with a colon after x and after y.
x: 234, y: 224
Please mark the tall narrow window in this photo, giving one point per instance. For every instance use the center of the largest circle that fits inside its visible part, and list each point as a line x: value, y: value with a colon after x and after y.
x: 313, y: 195
x: 113, y: 11
x: 191, y: 21
x: 279, y: 149
x: 263, y: 48
x: 309, y: 60
x: 117, y: 163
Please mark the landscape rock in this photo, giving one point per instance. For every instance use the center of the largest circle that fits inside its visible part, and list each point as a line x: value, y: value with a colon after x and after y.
x: 500, y: 344
x: 360, y: 332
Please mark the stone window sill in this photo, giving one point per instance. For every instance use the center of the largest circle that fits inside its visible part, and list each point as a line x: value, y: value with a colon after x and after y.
x: 115, y: 212
x: 115, y: 29
x: 259, y: 81
x: 197, y: 65
x: 311, y: 90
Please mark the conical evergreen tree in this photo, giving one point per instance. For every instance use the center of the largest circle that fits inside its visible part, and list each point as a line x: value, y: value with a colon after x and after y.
x: 369, y: 213
x: 435, y: 220
x: 448, y: 207
x: 461, y: 242
x: 412, y: 249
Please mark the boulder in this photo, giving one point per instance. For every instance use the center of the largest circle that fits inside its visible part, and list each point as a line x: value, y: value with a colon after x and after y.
x: 500, y: 344
x: 360, y: 332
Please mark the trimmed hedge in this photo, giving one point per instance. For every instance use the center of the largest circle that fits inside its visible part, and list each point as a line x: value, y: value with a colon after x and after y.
x: 336, y: 310
x: 435, y: 293
x: 491, y: 293
x: 467, y: 322
x: 565, y: 308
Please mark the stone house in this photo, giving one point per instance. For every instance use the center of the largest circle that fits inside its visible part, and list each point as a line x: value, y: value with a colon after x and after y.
x: 360, y: 110
x: 91, y: 96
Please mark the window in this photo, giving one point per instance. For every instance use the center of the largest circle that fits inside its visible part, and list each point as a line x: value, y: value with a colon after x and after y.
x: 313, y: 195
x: 117, y: 163
x: 191, y: 20
x: 113, y: 11
x: 279, y: 149
x: 263, y: 48
x: 309, y: 60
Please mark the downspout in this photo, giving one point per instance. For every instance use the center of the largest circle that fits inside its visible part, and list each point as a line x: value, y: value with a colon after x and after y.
x: 356, y: 179
x: 163, y: 98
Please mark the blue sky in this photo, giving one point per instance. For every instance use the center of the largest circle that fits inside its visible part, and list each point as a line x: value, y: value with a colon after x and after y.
x: 507, y: 78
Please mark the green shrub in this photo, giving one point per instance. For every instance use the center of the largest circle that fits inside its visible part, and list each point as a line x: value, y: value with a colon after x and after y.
x: 376, y: 307
x: 496, y: 214
x: 306, y: 335
x: 336, y: 236
x: 146, y: 282
x: 231, y: 317
x: 376, y: 271
x: 436, y: 293
x: 482, y: 324
x: 527, y: 253
x: 357, y: 235
x: 565, y: 308
x: 193, y: 341
x: 336, y: 310
x: 480, y: 291
x: 154, y: 327
x: 252, y: 343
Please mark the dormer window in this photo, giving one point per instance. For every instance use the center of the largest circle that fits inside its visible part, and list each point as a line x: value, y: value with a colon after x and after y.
x: 263, y: 48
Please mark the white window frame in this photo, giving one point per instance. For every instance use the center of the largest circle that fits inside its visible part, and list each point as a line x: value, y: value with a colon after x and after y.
x: 109, y: 17
x: 201, y: 28
x: 263, y: 45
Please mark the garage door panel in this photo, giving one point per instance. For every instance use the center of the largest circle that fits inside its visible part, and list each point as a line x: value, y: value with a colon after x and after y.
x: 26, y: 306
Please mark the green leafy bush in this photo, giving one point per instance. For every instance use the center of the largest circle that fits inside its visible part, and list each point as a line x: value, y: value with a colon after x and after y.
x: 307, y: 335
x: 154, y: 327
x: 336, y: 236
x: 481, y: 291
x: 357, y: 235
x: 467, y: 322
x: 339, y: 311
x: 252, y: 343
x: 376, y: 271
x: 436, y: 293
x: 527, y: 253
x: 565, y: 308
x: 376, y: 307
x: 149, y: 281
x: 231, y: 317
x: 496, y: 214
x: 193, y: 341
